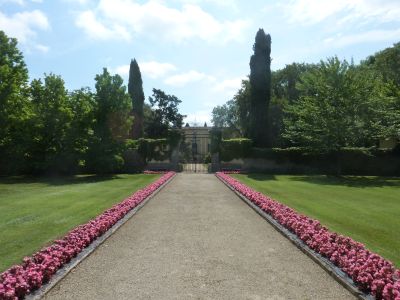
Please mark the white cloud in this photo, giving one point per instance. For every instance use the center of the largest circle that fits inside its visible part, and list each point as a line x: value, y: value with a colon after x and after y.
x: 231, y: 4
x: 121, y: 70
x: 19, y: 2
x: 151, y: 69
x: 183, y: 79
x: 156, y: 20
x: 97, y: 30
x: 41, y: 48
x: 363, y: 37
x: 229, y: 86
x: 155, y: 69
x: 316, y: 11
x: 79, y: 2
x: 24, y: 26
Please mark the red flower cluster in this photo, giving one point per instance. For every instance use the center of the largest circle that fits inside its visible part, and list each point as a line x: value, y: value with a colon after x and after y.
x: 232, y: 171
x: 372, y: 273
x: 20, y: 280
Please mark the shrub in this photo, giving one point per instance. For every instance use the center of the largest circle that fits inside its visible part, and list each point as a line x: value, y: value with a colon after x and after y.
x: 207, y: 158
x: 235, y: 148
x: 354, y: 161
x: 157, y: 149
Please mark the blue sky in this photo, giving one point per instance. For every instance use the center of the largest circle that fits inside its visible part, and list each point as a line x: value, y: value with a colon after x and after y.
x: 198, y: 50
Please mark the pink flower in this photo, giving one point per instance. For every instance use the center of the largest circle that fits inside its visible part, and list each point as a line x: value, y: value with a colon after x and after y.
x: 18, y: 281
x: 369, y: 271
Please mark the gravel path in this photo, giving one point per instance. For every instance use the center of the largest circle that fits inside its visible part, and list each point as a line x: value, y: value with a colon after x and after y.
x: 197, y: 240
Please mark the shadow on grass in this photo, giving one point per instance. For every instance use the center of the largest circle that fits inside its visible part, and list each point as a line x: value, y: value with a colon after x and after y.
x: 260, y: 176
x: 57, y: 180
x: 351, y: 181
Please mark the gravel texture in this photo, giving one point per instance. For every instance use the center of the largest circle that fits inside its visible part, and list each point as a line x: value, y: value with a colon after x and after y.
x: 197, y: 240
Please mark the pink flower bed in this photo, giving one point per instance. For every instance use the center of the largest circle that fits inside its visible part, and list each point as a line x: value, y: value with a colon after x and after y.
x: 232, y: 172
x: 372, y: 273
x: 36, y: 270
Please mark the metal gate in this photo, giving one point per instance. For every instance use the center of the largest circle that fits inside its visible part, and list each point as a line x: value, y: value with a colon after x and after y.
x: 195, y: 168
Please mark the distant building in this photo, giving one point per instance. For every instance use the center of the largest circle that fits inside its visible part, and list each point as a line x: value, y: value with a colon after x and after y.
x: 198, y: 140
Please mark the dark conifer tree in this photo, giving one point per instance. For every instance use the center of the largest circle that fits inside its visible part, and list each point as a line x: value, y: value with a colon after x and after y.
x: 135, y: 89
x: 260, y: 89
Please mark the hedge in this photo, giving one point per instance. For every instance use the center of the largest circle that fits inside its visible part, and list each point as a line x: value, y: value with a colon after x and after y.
x: 235, y: 148
x: 356, y: 161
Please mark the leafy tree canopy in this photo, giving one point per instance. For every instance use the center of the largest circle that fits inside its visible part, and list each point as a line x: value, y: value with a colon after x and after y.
x: 164, y: 114
x: 340, y: 106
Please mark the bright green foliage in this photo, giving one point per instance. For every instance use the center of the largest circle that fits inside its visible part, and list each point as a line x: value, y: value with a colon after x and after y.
x: 83, y: 105
x: 34, y: 212
x: 337, y: 107
x: 135, y: 89
x: 51, y: 126
x: 113, y: 106
x: 260, y: 83
x: 284, y: 92
x: 285, y: 81
x: 387, y: 63
x: 14, y: 105
x: 163, y: 115
x: 364, y: 208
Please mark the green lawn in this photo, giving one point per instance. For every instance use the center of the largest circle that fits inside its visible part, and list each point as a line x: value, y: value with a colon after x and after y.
x: 35, y: 211
x: 364, y: 208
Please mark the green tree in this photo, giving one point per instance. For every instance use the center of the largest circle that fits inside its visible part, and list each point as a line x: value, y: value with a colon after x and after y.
x: 164, y: 114
x: 226, y: 117
x: 220, y: 116
x: 260, y: 82
x: 337, y: 107
x: 135, y: 89
x: 15, y: 110
x: 51, y: 123
x: 284, y: 88
x: 387, y: 62
x: 83, y: 106
x: 284, y: 81
x: 113, y: 122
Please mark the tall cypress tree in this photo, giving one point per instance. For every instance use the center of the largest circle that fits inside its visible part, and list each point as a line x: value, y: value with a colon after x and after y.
x: 135, y: 89
x: 260, y: 89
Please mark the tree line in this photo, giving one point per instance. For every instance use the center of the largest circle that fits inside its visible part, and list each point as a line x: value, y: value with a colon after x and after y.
x: 44, y: 128
x: 326, y: 106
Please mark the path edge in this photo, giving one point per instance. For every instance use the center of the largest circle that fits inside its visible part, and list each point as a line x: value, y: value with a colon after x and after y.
x: 85, y: 253
x: 335, y: 272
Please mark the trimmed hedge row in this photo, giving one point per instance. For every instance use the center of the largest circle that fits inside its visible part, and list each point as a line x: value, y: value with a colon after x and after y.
x: 235, y: 148
x: 355, y: 161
